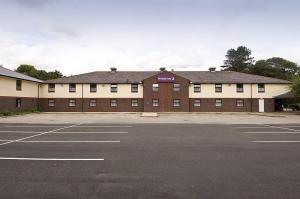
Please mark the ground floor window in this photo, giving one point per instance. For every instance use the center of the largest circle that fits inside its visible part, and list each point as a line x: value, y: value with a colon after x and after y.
x: 197, y: 102
x: 113, y: 103
x: 18, y: 102
x: 240, y: 103
x: 176, y: 102
x: 72, y: 102
x: 93, y: 102
x: 155, y: 102
x: 218, y: 103
x: 51, y: 102
x: 134, y: 102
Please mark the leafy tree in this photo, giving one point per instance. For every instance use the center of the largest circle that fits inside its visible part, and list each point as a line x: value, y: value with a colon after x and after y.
x: 162, y: 69
x: 295, y: 87
x: 238, y: 60
x: 275, y: 67
x: 39, y: 74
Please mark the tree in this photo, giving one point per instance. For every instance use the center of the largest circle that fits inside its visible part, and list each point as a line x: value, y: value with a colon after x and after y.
x: 275, y: 67
x: 295, y: 87
x: 162, y: 69
x: 238, y: 60
x: 39, y: 74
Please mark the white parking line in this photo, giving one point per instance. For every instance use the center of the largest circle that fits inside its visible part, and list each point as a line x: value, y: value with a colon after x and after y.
x: 277, y: 141
x: 252, y: 127
x: 74, y: 132
x: 280, y: 127
x: 19, y: 132
x: 70, y: 141
x: 38, y: 126
x: 37, y: 135
x: 105, y: 126
x: 51, y: 159
x: 271, y: 132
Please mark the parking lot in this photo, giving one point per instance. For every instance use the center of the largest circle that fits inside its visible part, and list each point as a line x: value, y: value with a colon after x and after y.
x: 161, y: 161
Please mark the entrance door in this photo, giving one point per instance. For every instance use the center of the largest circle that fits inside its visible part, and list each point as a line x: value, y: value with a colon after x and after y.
x: 261, y: 105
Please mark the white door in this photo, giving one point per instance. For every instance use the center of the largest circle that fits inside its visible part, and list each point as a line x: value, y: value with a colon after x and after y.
x: 261, y: 105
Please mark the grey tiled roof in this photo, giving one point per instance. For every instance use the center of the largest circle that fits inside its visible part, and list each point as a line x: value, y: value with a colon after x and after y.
x: 9, y: 73
x: 193, y: 76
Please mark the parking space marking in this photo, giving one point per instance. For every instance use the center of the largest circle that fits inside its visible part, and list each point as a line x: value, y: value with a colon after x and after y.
x: 52, y: 159
x: 271, y: 132
x: 38, y: 126
x: 251, y: 127
x: 279, y: 127
x: 277, y: 141
x: 105, y: 126
x: 38, y: 134
x: 19, y: 132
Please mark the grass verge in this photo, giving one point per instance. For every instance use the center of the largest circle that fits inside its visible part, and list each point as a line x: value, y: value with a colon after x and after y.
x: 6, y: 113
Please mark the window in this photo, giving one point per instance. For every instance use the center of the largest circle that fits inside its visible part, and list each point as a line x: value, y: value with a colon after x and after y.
x: 93, y: 88
x: 18, y: 102
x: 134, y: 88
x: 51, y: 102
x: 93, y: 102
x: 113, y: 103
x: 197, y: 102
x: 218, y: 103
x: 72, y: 88
x: 197, y: 88
x: 18, y: 85
x: 113, y: 88
x: 261, y: 88
x: 155, y: 102
x: 240, y: 103
x: 72, y: 102
x: 155, y: 87
x: 218, y: 88
x: 134, y: 102
x: 176, y: 102
x: 51, y: 88
x: 239, y: 88
x: 176, y: 87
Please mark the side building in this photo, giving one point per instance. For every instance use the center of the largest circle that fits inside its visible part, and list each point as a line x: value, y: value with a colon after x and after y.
x: 18, y: 92
x: 156, y: 91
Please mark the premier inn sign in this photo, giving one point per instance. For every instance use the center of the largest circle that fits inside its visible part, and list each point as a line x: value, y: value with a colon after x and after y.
x: 166, y: 78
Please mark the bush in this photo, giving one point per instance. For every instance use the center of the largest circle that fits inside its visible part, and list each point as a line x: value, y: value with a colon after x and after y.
x: 294, y: 106
x: 11, y: 113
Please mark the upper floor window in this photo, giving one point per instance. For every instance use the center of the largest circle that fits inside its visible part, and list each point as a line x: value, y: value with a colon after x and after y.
x: 218, y: 103
x: 18, y: 102
x: 72, y: 102
x: 93, y: 102
x: 197, y: 88
x: 218, y: 88
x: 18, y: 85
x: 113, y: 88
x: 261, y: 88
x: 176, y: 87
x: 134, y: 102
x: 51, y: 102
x: 155, y: 102
x: 93, y: 88
x: 134, y: 88
x: 176, y: 102
x: 239, y: 88
x: 51, y: 88
x: 155, y: 87
x: 72, y: 88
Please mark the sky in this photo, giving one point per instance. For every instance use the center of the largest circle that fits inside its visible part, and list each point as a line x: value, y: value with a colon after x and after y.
x: 77, y: 36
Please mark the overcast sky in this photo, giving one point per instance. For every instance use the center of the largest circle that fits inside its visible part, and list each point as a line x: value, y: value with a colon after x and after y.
x: 76, y: 36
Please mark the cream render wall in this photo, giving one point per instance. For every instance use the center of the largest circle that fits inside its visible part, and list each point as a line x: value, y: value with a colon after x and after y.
x: 229, y: 91
x: 103, y: 91
x: 8, y: 88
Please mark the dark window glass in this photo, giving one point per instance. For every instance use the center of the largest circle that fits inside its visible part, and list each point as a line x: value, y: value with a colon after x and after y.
x: 197, y: 88
x: 18, y: 85
x: 72, y: 102
x: 113, y: 103
x: 51, y: 88
x: 113, y: 88
x: 134, y: 102
x: 218, y: 88
x: 93, y: 88
x: 134, y: 88
x: 72, y: 88
x: 51, y: 102
x: 18, y: 102
x: 155, y: 102
x: 240, y: 88
x: 261, y: 88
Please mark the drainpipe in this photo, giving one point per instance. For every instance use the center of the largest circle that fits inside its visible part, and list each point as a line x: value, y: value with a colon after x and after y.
x: 82, y: 97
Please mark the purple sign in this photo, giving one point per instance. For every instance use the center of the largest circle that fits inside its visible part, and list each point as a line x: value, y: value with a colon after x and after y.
x: 166, y: 78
